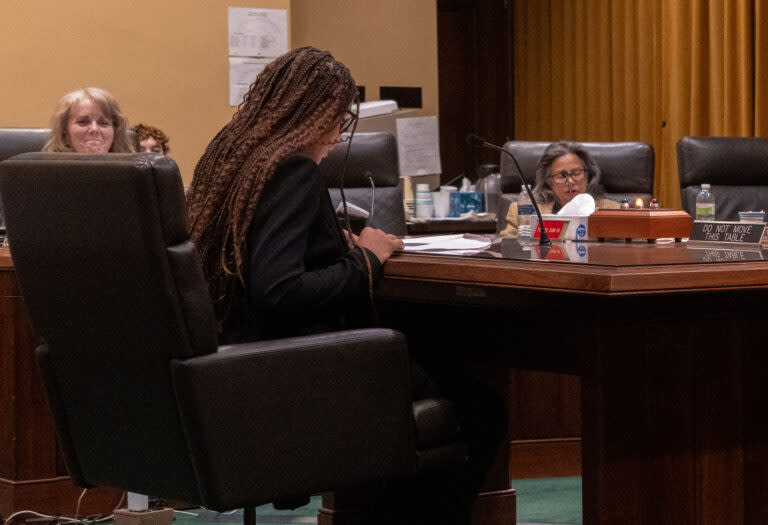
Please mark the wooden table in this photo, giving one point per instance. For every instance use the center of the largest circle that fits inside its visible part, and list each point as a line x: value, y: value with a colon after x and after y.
x: 668, y: 340
x: 32, y: 471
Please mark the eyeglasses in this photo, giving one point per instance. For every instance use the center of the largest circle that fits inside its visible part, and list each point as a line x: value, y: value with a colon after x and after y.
x: 561, y: 177
x: 342, y: 138
x: 347, y: 121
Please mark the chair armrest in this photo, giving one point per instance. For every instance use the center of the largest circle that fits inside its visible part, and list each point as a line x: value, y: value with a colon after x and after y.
x: 287, y: 417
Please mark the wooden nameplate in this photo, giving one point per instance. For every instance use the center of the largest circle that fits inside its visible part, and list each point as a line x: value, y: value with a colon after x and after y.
x: 643, y: 223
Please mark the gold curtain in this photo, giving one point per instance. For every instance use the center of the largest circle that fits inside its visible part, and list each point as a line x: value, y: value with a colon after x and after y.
x: 647, y: 70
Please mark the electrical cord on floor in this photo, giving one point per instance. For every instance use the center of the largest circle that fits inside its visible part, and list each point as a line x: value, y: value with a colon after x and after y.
x: 55, y: 520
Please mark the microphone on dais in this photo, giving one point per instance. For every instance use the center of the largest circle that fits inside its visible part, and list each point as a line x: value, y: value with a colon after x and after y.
x: 476, y: 140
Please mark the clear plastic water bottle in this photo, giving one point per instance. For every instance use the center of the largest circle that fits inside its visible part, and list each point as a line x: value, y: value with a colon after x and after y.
x: 705, y: 204
x: 524, y: 211
x: 492, y: 192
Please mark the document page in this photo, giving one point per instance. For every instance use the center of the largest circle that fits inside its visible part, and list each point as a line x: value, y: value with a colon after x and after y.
x: 418, y: 146
x: 242, y: 73
x: 455, y: 244
x: 258, y: 32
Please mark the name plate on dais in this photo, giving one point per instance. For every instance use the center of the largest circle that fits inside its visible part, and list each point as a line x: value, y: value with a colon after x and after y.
x: 738, y: 232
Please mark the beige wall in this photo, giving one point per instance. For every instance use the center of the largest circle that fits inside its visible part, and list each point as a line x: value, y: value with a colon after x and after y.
x: 165, y: 61
x: 391, y: 42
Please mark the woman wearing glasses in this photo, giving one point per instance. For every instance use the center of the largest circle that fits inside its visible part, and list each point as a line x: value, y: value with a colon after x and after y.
x: 277, y: 262
x: 565, y: 170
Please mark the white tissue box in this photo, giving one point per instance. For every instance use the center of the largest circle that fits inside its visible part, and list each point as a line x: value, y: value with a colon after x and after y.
x: 562, y: 227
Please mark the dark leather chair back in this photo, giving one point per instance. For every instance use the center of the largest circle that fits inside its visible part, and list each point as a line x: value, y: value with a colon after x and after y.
x: 142, y: 397
x: 20, y: 140
x: 626, y: 167
x: 372, y: 155
x: 157, y: 307
x: 735, y: 167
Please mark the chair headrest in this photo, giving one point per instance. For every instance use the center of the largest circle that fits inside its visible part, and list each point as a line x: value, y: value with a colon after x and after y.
x: 371, y: 154
x: 21, y: 140
x: 115, y: 221
x: 725, y: 161
x: 626, y: 167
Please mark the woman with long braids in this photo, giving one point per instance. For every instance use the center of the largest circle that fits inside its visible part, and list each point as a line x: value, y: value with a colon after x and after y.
x: 277, y: 261
x: 279, y: 264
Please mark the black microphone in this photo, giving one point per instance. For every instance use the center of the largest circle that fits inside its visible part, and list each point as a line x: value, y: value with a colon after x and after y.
x: 476, y: 140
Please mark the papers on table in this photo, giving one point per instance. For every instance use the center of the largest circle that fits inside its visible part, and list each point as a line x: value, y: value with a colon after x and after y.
x: 418, y: 146
x: 456, y: 244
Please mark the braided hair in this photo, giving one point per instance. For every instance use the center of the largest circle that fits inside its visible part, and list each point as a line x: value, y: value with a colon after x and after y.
x: 293, y: 102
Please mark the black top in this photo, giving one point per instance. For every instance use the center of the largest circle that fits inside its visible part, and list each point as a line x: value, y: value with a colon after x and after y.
x: 302, y: 278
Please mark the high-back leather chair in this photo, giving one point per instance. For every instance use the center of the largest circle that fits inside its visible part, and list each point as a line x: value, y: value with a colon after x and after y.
x: 20, y: 140
x: 372, y: 155
x: 735, y: 167
x: 143, y: 397
x: 626, y: 167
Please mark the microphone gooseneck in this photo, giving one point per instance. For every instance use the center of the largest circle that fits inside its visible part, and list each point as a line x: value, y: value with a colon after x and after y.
x: 476, y: 140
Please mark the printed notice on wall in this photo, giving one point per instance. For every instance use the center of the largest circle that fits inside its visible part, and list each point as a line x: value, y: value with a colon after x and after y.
x: 242, y: 73
x: 258, y: 32
x: 418, y: 146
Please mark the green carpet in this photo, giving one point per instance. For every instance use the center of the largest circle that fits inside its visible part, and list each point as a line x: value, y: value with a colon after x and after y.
x: 539, y: 501
x: 549, y: 500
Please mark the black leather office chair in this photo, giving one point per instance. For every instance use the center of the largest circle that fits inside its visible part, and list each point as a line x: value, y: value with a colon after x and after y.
x: 20, y: 140
x: 372, y: 155
x: 735, y: 167
x: 626, y: 168
x: 144, y: 399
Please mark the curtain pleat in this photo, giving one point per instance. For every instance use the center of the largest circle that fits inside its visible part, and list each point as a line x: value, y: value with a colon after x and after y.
x: 760, y: 84
x: 648, y: 70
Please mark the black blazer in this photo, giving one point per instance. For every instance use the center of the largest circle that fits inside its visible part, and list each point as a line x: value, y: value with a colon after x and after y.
x: 302, y: 278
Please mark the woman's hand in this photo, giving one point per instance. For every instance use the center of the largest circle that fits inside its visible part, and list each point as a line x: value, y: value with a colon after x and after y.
x: 380, y: 243
x: 351, y: 237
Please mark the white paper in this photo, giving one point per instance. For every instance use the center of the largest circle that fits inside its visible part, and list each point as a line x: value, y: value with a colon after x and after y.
x: 418, y: 146
x: 242, y: 73
x: 457, y: 244
x: 258, y: 32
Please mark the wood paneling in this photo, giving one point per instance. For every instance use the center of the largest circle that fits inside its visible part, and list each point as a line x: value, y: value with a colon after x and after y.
x: 672, y: 367
x: 474, y: 74
x: 544, y: 458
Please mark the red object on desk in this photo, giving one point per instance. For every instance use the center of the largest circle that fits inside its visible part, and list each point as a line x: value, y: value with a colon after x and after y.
x: 555, y: 228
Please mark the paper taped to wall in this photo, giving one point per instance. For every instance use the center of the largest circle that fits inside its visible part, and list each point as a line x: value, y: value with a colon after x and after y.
x: 258, y: 32
x: 418, y: 146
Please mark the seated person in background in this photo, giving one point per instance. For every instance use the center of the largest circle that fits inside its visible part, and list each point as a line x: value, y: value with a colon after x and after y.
x: 88, y: 121
x: 565, y: 170
x: 150, y: 140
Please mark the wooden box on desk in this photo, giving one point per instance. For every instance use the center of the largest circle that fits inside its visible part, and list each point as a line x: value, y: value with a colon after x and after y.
x: 639, y: 223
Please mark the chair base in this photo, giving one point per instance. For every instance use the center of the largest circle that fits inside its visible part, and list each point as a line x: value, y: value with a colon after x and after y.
x: 352, y: 507
x: 249, y: 516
